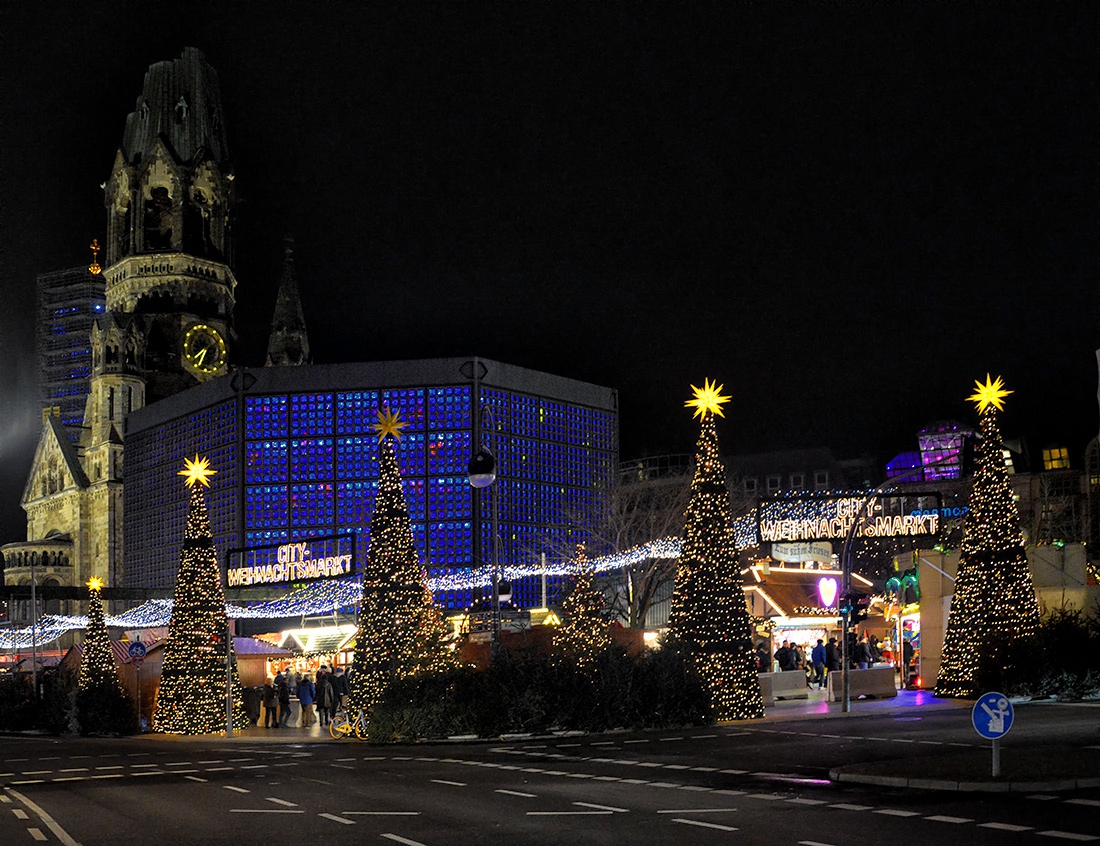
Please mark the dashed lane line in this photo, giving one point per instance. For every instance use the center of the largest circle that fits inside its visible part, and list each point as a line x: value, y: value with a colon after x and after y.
x: 20, y: 814
x: 282, y: 802
x: 702, y: 824
x: 845, y: 806
x: 897, y: 812
x: 396, y: 838
x: 698, y: 811
x: 1000, y: 826
x: 945, y: 819
x: 813, y: 843
x: 568, y: 813
x: 236, y: 789
x: 381, y: 813
x: 335, y: 818
x: 1068, y: 835
x: 517, y: 793
x: 36, y: 834
x: 1092, y: 803
x: 265, y: 811
x: 195, y: 778
x: 451, y: 783
x: 611, y: 808
x: 50, y: 822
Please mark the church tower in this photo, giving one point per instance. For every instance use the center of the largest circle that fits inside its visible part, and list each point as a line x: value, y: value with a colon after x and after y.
x: 288, y: 343
x: 167, y: 323
x: 170, y: 203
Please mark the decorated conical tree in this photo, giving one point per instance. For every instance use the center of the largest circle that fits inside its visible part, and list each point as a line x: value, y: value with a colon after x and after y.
x: 401, y: 631
x: 103, y: 706
x: 583, y: 633
x: 709, y: 618
x: 192, y: 697
x: 994, y: 608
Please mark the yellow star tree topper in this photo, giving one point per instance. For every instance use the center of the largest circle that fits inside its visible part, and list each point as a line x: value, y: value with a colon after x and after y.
x: 389, y: 423
x: 992, y: 393
x: 197, y: 471
x: 94, y: 583
x: 707, y: 399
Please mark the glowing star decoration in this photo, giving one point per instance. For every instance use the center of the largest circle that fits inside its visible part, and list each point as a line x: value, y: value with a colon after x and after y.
x: 197, y: 470
x: 95, y: 583
x: 707, y: 399
x: 389, y: 423
x: 992, y: 393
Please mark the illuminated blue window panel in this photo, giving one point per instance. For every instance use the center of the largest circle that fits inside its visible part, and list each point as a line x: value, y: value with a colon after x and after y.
x: 266, y: 461
x: 449, y: 408
x: 262, y: 538
x: 266, y: 417
x: 266, y: 506
x: 311, y: 414
x: 416, y: 498
x: 448, y: 452
x: 311, y: 459
x: 412, y: 404
x: 448, y: 496
x: 451, y: 543
x: 311, y: 505
x: 356, y: 411
x: 357, y: 457
x: 354, y: 501
x: 410, y: 453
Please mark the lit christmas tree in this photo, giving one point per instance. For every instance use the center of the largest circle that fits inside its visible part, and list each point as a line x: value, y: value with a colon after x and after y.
x: 401, y: 631
x: 583, y: 634
x: 994, y: 605
x: 709, y: 618
x: 192, y: 698
x: 103, y: 705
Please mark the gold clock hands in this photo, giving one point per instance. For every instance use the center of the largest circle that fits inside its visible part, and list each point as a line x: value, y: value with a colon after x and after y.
x: 202, y: 355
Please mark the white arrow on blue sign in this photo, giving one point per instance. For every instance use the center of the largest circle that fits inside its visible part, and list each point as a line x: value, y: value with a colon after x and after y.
x: 992, y: 716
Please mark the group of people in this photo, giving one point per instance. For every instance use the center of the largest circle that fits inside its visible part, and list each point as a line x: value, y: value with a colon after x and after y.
x: 328, y: 693
x: 826, y: 657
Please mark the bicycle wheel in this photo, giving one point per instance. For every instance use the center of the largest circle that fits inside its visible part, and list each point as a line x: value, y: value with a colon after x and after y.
x: 361, y: 725
x: 339, y: 726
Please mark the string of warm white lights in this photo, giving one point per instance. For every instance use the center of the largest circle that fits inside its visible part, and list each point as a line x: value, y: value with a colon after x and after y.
x: 344, y: 594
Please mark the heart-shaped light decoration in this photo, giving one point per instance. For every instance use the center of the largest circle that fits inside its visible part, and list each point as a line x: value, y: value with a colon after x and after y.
x: 826, y: 589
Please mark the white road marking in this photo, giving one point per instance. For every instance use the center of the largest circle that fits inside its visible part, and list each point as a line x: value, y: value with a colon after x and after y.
x: 704, y: 769
x: 43, y: 781
x: 263, y: 811
x: 110, y: 775
x: 699, y: 811
x: 116, y: 767
x: 646, y: 740
x: 1068, y: 835
x: 282, y: 802
x: 731, y: 792
x: 50, y: 822
x: 771, y: 797
x: 236, y: 789
x: 813, y: 843
x: 451, y: 783
x: 1042, y: 797
x: 381, y: 813
x: 954, y: 820
x: 602, y: 807
x: 75, y: 770
x: 516, y: 793
x: 677, y: 767
x: 335, y: 818
x: 666, y: 739
x: 36, y: 833
x: 406, y: 841
x: 139, y: 766
x: 217, y: 769
x: 44, y: 772
x: 999, y: 826
x: 1092, y: 803
x: 702, y: 824
x: 567, y: 813
x: 801, y: 801
x: 705, y: 736
x: 733, y: 772
x: 844, y: 806
x: 195, y: 778
x: 20, y: 814
x: 894, y: 812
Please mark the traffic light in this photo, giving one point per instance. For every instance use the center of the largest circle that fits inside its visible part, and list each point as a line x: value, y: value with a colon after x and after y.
x: 860, y: 606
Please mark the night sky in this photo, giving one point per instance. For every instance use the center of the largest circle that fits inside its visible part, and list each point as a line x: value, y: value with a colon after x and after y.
x: 844, y: 213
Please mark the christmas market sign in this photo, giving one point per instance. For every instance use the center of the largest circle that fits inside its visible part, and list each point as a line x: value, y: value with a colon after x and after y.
x: 291, y: 562
x: 820, y: 517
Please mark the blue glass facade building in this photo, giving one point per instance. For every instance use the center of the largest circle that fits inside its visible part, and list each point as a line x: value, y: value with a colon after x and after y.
x: 68, y: 303
x: 297, y: 458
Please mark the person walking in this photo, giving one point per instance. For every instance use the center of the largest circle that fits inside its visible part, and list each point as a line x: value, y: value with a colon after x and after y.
x: 817, y: 659
x: 282, y: 687
x: 325, y: 696
x: 341, y: 688
x: 271, y: 705
x: 306, y: 694
x: 832, y: 655
x: 786, y: 657
x: 864, y: 657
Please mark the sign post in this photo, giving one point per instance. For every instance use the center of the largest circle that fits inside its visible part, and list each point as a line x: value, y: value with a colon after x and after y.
x: 137, y: 658
x: 992, y: 717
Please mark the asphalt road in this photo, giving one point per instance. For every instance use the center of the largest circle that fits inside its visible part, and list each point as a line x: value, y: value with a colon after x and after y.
x: 761, y: 783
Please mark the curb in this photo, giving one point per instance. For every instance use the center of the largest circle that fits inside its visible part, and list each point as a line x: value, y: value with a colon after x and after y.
x: 1052, y: 786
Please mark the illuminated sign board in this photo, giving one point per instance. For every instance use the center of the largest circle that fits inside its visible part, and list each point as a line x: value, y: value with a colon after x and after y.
x: 274, y: 564
x: 819, y: 517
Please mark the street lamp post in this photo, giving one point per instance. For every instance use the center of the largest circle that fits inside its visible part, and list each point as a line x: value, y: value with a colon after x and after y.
x: 482, y: 473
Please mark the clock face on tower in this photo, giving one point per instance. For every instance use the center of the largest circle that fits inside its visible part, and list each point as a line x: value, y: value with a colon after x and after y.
x: 204, y: 349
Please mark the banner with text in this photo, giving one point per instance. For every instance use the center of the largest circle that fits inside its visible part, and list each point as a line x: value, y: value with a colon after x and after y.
x: 310, y: 560
x: 820, y: 517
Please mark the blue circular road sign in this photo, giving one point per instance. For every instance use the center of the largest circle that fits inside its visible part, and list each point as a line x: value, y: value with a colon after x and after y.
x: 992, y: 716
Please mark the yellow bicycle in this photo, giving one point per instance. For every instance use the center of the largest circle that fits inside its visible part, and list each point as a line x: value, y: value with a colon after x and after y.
x: 340, y: 726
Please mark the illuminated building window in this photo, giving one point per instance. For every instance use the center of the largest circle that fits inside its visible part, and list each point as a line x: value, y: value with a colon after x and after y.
x: 1010, y: 468
x: 1055, y: 458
